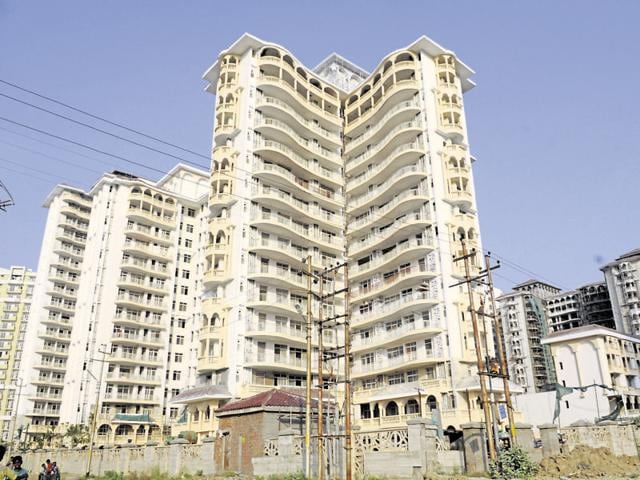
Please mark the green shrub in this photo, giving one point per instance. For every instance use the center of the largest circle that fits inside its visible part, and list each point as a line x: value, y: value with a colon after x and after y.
x: 513, y: 463
x: 112, y: 475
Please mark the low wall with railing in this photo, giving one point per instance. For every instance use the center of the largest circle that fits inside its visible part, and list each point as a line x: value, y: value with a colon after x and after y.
x: 171, y: 459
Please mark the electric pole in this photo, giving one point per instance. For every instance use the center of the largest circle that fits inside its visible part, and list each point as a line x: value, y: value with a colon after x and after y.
x: 482, y: 372
x: 96, y: 409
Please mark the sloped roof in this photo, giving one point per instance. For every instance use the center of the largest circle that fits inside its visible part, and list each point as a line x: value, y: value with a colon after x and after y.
x: 271, y: 398
x: 202, y: 393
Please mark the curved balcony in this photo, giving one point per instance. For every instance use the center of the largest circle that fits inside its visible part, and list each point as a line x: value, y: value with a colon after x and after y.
x: 139, y: 301
x: 78, y: 199
x: 214, y: 304
x: 400, y: 181
x: 70, y: 250
x: 62, y: 292
x: 303, y: 166
x: 51, y: 366
x: 278, y: 363
x: 75, y: 212
x: 277, y: 277
x: 281, y: 132
x: 407, y: 200
x: 400, y: 278
x: 73, y: 237
x: 460, y: 197
x: 55, y: 335
x: 57, y: 321
x: 142, y: 285
x: 217, y: 249
x: 401, y: 156
x: 276, y: 304
x: 274, y: 249
x: 61, y: 307
x: 276, y: 333
x: 129, y: 358
x: 218, y: 201
x: 135, y: 339
x: 286, y: 226
x: 451, y: 126
x: 213, y: 277
x: 400, y: 91
x: 401, y: 134
x: 281, y: 110
x: 407, y: 360
x: 140, y: 214
x: 278, y: 88
x: 144, y: 232
x: 412, y: 222
x: 48, y: 380
x: 211, y: 362
x: 73, y: 224
x: 138, y: 399
x: 151, y: 251
x: 403, y: 112
x: 133, y: 379
x: 153, y: 199
x: 383, y: 338
x: 275, y: 198
x: 215, y: 332
x: 448, y: 87
x: 395, y: 309
x: 53, y: 351
x: 129, y: 319
x: 403, y: 252
x: 276, y: 173
x: 145, y: 267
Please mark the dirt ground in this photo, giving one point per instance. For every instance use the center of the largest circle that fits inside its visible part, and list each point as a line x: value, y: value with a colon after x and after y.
x: 584, y: 462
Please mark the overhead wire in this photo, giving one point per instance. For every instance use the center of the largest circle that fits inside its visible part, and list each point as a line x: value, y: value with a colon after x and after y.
x: 510, y: 264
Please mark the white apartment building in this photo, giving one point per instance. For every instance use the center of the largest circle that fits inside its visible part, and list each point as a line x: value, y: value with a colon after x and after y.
x: 623, y: 282
x: 524, y: 325
x: 342, y: 164
x: 16, y: 292
x: 586, y: 305
x: 584, y: 356
x: 115, y: 305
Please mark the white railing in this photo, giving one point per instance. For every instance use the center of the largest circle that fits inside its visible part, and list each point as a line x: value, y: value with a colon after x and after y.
x: 355, y: 202
x: 375, y: 149
x: 380, y: 362
x: 305, y: 185
x: 265, y: 99
x: 400, y: 247
x: 294, y: 226
x: 381, y: 334
x: 355, y: 141
x: 379, y: 236
x: 300, y: 160
x: 378, y: 213
x: 359, y: 179
x: 389, y: 307
x: 288, y: 275
x: 311, y: 210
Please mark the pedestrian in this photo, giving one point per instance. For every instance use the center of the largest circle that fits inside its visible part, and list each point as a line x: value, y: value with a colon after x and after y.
x: 15, y: 470
x: 55, y: 472
x: 43, y: 473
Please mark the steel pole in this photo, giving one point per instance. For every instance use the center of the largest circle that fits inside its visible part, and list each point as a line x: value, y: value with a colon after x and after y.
x: 307, y: 416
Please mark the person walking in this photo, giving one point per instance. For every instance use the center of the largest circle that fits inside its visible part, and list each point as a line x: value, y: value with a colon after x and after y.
x: 15, y: 471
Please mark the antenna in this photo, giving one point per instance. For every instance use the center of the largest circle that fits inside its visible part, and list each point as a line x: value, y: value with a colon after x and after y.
x: 8, y: 202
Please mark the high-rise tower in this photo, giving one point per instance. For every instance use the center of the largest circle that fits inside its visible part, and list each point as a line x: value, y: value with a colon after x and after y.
x: 341, y: 164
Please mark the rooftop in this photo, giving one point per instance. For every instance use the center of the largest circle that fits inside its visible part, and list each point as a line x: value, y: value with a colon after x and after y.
x: 208, y: 392
x: 586, y: 332
x: 271, y: 398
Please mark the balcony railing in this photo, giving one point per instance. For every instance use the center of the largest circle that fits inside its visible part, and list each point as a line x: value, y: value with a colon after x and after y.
x: 354, y: 142
x: 379, y: 212
x: 384, y: 258
x: 381, y: 334
x: 311, y: 210
x: 368, y: 174
x: 381, y: 282
x: 389, y: 307
x: 379, y: 236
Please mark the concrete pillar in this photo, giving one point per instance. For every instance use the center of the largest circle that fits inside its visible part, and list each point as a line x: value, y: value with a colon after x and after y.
x: 524, y: 438
x: 550, y: 440
x: 475, y: 447
x: 207, y: 456
x: 285, y: 442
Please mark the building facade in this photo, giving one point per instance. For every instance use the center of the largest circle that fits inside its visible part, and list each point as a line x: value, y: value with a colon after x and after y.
x: 584, y: 356
x: 115, y: 305
x: 587, y: 305
x: 338, y: 164
x: 16, y: 292
x: 524, y: 325
x: 623, y: 282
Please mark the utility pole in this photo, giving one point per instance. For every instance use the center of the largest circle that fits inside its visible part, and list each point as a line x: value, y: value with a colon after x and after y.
x: 307, y: 418
x: 96, y: 409
x: 320, y: 386
x: 347, y: 375
x: 15, y: 414
x: 504, y: 372
x: 486, y: 407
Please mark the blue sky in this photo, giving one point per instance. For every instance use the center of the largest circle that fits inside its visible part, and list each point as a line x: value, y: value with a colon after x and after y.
x: 553, y: 121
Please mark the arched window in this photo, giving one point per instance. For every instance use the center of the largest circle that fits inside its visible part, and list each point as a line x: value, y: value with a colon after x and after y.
x: 124, y: 430
x: 432, y: 403
x: 391, y: 409
x: 270, y: 52
x: 104, y: 429
x: 404, y: 57
x: 412, y: 406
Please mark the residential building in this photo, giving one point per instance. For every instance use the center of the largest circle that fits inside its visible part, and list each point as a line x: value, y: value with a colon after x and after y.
x: 16, y: 292
x: 587, y: 305
x: 584, y: 356
x: 115, y: 305
x: 524, y: 325
x: 623, y: 282
x: 339, y: 164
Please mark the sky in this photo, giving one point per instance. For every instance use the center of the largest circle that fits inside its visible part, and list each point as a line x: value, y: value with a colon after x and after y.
x: 553, y: 121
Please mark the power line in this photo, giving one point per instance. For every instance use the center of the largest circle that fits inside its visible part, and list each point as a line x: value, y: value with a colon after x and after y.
x: 96, y: 117
x: 105, y: 132
x: 37, y: 170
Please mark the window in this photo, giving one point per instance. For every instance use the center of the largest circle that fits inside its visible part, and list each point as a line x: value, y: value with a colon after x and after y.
x: 173, y: 412
x: 561, y: 366
x: 394, y: 352
x: 182, y: 307
x: 396, y: 378
x: 186, y: 258
x: 177, y: 358
x: 189, y: 228
x: 176, y: 374
x: 182, y: 323
x: 179, y: 339
x: 191, y: 212
x: 367, y: 359
x: 188, y: 243
x: 184, y: 290
x: 412, y: 376
x: 186, y: 274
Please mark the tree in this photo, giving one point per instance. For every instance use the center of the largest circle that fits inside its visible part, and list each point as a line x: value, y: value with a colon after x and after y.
x: 77, y: 434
